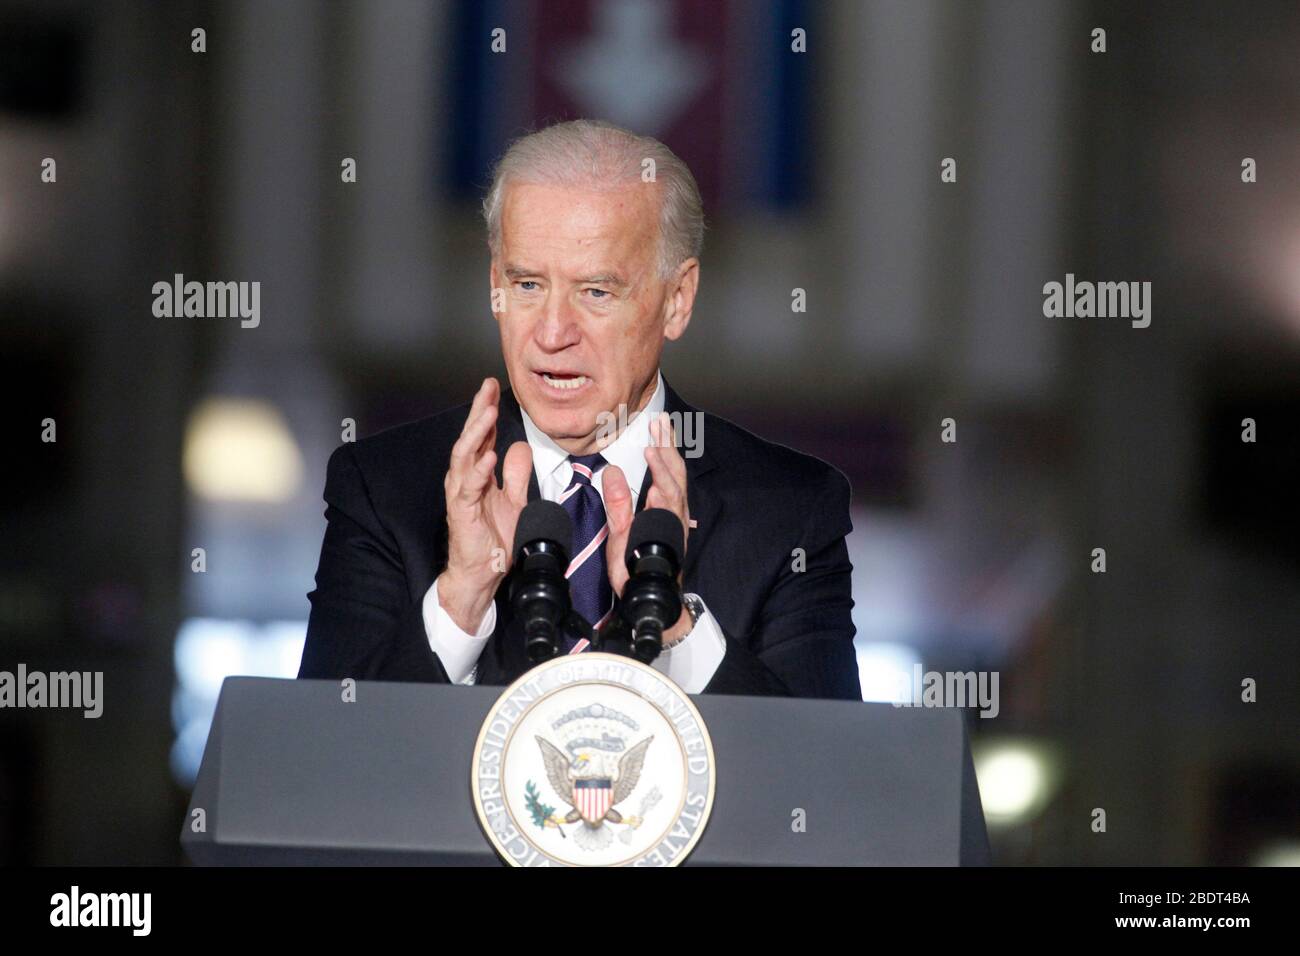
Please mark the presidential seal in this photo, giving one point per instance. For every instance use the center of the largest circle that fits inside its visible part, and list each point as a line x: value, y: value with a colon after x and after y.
x: 593, y: 760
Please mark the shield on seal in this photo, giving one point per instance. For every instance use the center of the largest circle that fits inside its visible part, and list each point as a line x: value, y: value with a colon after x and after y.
x: 593, y: 796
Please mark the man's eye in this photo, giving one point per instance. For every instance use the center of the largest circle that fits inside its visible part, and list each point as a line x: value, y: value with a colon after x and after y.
x: 598, y: 293
x: 525, y: 283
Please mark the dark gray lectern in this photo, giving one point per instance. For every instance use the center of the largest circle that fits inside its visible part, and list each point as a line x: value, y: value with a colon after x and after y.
x: 293, y: 775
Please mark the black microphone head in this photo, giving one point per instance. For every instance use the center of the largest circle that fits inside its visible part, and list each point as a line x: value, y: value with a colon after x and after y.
x: 543, y: 520
x: 655, y: 526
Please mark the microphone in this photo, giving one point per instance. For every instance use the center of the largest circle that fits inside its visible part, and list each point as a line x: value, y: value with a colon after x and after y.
x: 652, y: 599
x: 539, y: 593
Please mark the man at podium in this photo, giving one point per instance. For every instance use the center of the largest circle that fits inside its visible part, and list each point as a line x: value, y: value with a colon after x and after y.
x: 595, y: 236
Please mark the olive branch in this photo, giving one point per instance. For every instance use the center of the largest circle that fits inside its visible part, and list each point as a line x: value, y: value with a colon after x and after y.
x: 543, y: 815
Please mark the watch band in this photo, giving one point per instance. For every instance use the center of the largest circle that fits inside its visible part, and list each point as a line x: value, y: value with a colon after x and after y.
x: 695, y: 608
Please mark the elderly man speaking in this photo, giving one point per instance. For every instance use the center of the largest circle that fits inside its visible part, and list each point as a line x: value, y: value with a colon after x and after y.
x: 594, y: 264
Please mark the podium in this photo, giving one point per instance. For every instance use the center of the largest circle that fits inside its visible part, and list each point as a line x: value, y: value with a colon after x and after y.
x: 294, y: 775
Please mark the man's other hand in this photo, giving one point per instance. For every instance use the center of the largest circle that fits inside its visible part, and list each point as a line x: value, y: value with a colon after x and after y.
x: 667, y: 490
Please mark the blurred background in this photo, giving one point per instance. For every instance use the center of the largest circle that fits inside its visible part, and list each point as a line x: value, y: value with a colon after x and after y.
x: 820, y: 171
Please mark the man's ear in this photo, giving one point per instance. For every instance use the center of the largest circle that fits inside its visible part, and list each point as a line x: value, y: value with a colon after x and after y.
x: 681, y: 300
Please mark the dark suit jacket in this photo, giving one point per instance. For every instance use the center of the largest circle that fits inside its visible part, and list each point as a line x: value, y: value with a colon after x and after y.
x: 787, y: 632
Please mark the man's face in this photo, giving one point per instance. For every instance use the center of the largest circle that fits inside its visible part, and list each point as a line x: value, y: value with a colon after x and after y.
x: 585, y: 312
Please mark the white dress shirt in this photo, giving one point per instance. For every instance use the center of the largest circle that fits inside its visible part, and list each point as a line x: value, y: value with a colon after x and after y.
x: 690, y: 663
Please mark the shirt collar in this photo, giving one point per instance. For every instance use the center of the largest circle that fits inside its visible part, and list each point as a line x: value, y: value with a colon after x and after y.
x: 627, y: 450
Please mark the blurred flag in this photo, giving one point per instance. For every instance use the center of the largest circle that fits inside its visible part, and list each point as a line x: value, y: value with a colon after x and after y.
x: 717, y: 80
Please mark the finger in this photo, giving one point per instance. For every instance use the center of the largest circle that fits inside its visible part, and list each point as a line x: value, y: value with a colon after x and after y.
x: 489, y: 441
x: 618, y: 499
x: 516, y: 472
x: 482, y: 470
x: 618, y: 514
x: 668, y: 446
x: 488, y: 392
x: 666, y: 489
x: 491, y: 394
x: 484, y: 397
x: 473, y: 438
x: 668, y: 470
x: 510, y: 499
x: 468, y: 478
x: 487, y: 396
x: 492, y: 400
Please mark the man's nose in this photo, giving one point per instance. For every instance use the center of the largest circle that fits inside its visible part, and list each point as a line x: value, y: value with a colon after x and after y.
x: 559, y: 325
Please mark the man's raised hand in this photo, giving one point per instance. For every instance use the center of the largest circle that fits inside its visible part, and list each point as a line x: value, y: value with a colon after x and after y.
x: 667, y: 490
x: 481, y: 516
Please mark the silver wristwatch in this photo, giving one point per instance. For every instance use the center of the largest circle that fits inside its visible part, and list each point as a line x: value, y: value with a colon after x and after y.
x: 695, y: 608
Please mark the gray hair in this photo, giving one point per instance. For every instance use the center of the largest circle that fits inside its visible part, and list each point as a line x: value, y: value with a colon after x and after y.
x: 593, y: 153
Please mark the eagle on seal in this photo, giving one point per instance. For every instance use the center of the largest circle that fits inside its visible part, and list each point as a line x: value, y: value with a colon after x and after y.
x: 592, y: 798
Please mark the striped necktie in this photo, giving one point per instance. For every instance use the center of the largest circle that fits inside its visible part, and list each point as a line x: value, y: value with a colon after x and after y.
x: 589, y: 587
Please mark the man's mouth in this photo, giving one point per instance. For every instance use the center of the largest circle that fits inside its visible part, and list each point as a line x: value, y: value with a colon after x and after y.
x: 564, y: 381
